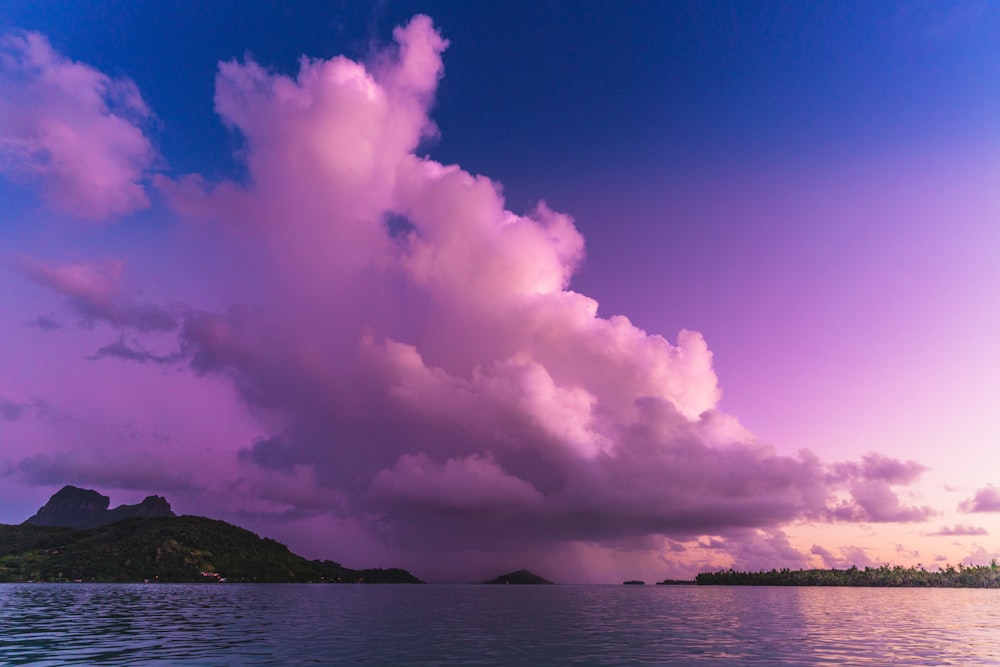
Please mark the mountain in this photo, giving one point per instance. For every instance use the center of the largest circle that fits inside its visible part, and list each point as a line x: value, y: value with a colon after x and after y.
x: 518, y: 577
x: 73, y: 507
x: 156, y: 548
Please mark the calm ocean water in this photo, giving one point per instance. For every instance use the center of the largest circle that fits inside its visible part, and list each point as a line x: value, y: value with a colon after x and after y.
x: 232, y: 624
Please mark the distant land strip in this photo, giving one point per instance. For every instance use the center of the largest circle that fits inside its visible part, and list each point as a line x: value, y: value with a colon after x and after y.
x: 960, y: 576
x: 76, y: 537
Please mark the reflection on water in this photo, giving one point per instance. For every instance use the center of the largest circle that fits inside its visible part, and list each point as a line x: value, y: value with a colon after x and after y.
x: 57, y: 624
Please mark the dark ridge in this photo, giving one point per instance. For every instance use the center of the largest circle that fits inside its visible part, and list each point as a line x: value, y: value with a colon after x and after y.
x: 73, y: 507
x: 635, y: 582
x: 166, y: 549
x: 75, y: 537
x: 519, y: 577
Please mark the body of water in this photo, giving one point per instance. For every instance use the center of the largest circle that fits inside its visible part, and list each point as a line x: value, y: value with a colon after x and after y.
x: 233, y: 624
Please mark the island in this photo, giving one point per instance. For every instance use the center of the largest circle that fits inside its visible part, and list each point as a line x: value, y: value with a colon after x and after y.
x: 635, y: 582
x: 521, y: 577
x: 75, y: 537
x: 960, y: 576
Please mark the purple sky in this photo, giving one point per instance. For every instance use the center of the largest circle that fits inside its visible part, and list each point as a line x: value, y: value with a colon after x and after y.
x: 606, y: 291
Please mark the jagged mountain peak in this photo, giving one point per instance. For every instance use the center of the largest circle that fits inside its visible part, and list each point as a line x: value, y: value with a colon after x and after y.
x: 74, y: 507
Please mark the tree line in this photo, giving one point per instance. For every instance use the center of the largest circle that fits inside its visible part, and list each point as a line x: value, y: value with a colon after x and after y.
x: 950, y: 576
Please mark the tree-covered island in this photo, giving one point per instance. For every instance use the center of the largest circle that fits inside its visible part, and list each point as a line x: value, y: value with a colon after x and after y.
x: 166, y: 549
x: 75, y: 537
x: 950, y: 576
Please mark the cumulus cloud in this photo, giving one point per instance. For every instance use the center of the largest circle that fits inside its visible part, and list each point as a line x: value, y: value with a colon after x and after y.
x: 876, y: 467
x: 71, y: 130
x: 96, y: 293
x: 421, y: 360
x: 959, y: 529
x: 872, y: 497
x: 986, y: 499
x: 442, y: 372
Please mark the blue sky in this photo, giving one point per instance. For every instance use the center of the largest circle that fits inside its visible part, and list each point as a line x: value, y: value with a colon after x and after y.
x: 648, y: 84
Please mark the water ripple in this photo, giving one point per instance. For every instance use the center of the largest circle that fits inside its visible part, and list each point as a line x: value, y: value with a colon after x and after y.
x: 84, y: 624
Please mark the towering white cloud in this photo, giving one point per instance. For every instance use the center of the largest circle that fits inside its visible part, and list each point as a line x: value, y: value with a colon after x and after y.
x: 427, y: 357
x: 420, y: 359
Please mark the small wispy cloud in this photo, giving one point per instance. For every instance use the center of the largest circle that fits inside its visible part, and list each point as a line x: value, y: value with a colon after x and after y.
x: 959, y: 529
x: 44, y: 323
x: 96, y: 293
x: 120, y: 349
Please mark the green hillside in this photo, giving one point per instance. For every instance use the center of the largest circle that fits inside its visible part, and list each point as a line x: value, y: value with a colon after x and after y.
x: 165, y: 549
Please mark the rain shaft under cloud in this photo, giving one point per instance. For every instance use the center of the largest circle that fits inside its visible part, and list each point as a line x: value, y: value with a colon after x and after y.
x: 414, y: 353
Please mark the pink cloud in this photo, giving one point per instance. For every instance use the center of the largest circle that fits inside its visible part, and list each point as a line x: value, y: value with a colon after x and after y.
x: 872, y: 497
x: 892, y: 471
x: 441, y: 374
x: 96, y: 293
x: 419, y: 360
x: 71, y: 130
x: 960, y: 529
x: 875, y: 501
x: 986, y: 499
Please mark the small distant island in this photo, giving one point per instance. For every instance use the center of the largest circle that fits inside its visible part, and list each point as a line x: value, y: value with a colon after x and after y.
x: 75, y: 537
x: 960, y: 576
x: 521, y: 577
x: 635, y: 582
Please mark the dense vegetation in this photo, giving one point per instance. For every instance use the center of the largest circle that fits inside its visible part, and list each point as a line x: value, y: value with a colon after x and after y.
x: 977, y: 576
x: 165, y: 549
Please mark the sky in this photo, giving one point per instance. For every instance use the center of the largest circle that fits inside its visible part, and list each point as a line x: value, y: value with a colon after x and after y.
x: 602, y: 290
